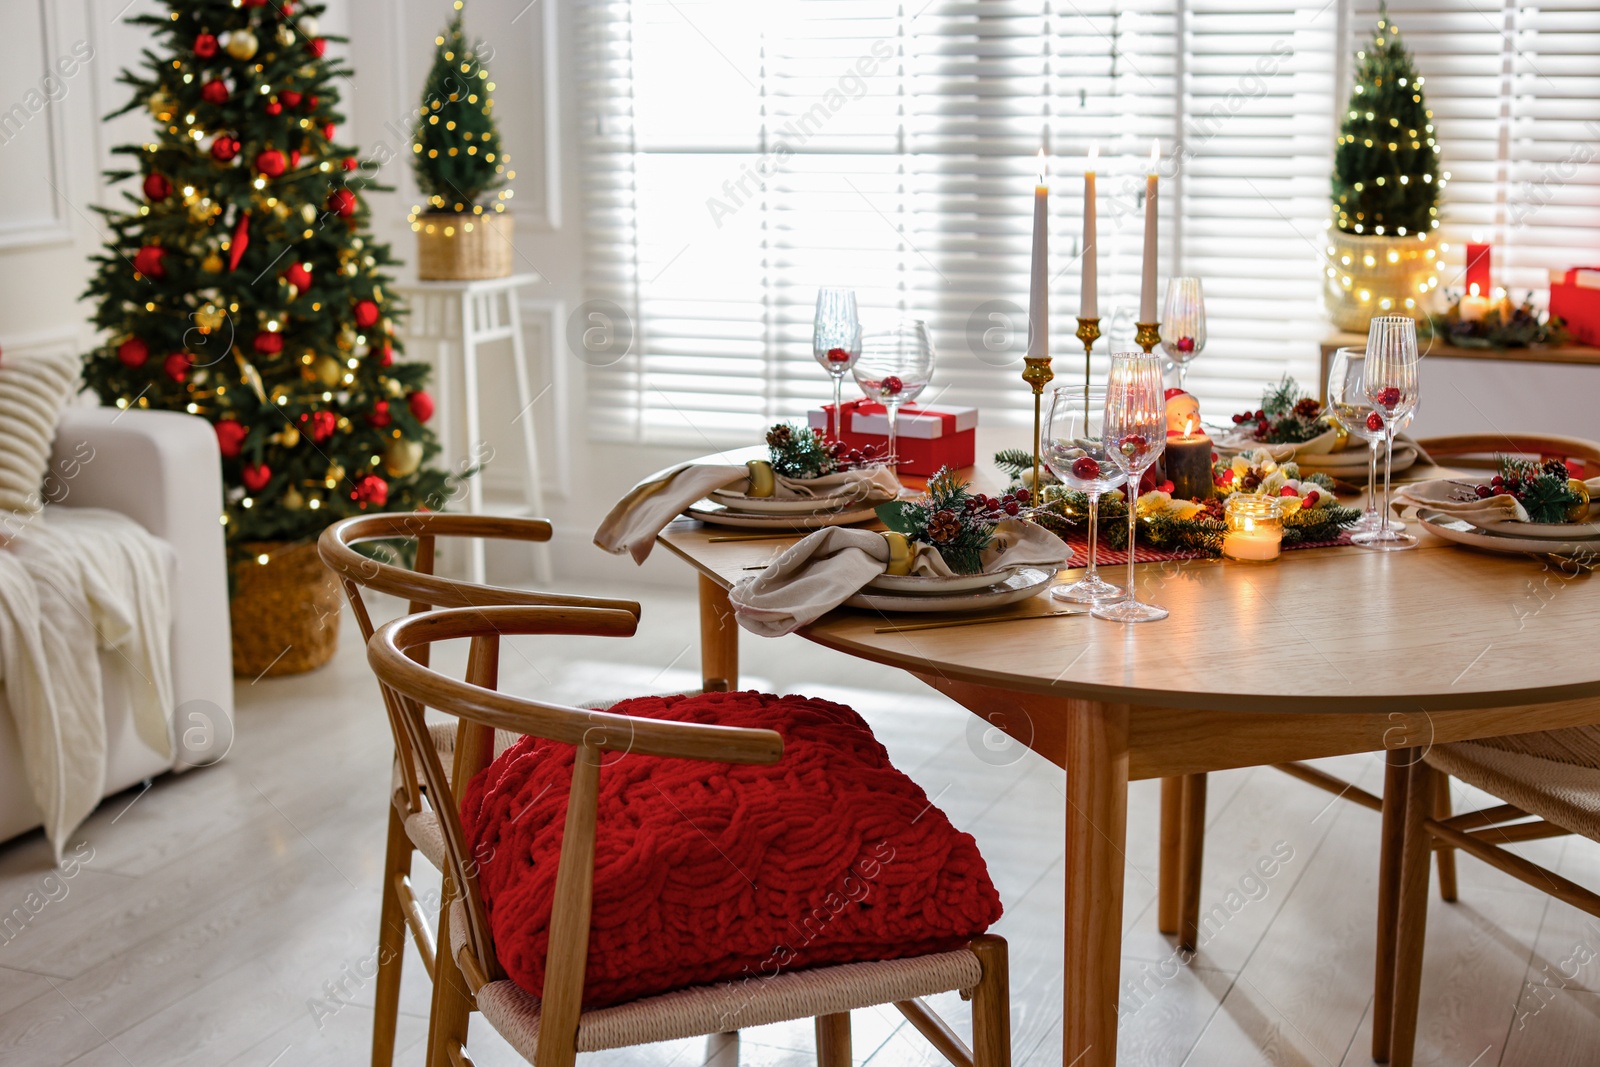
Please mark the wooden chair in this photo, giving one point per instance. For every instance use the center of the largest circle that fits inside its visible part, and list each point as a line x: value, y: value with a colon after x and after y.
x: 413, y: 824
x: 550, y: 1032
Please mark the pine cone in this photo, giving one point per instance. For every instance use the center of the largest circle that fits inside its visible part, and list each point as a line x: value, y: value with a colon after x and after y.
x: 1307, y: 408
x: 780, y: 436
x: 944, y: 527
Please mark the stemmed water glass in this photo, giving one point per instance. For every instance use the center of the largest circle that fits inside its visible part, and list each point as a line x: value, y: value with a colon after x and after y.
x: 836, y: 343
x: 1074, y: 450
x: 895, y: 366
x: 1389, y: 381
x: 1355, y: 414
x: 1135, y: 434
x: 1183, y: 323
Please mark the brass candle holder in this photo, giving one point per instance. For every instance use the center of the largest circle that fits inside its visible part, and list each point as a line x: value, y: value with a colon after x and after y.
x: 1088, y: 333
x: 1037, y: 373
x: 1146, y: 335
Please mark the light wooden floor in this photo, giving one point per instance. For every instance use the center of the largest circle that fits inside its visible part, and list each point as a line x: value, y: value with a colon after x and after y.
x: 229, y: 916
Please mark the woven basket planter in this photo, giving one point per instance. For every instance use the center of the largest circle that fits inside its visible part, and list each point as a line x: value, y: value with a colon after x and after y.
x: 457, y: 247
x: 285, y: 611
x: 1369, y: 276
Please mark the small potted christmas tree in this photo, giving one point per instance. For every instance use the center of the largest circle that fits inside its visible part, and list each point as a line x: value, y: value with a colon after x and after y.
x: 462, y: 232
x: 240, y: 282
x: 1382, y: 254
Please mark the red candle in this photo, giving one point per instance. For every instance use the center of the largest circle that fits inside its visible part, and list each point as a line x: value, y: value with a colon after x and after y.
x: 1478, y: 257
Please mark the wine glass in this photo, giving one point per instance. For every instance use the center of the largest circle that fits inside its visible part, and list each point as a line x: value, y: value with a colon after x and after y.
x: 1353, y: 411
x: 1389, y: 382
x: 894, y: 367
x: 1183, y: 323
x: 1135, y: 433
x: 836, y: 343
x: 1075, y: 452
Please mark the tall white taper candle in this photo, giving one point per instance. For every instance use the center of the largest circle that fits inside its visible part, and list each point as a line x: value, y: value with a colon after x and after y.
x: 1039, y: 290
x: 1147, y: 287
x: 1089, y: 290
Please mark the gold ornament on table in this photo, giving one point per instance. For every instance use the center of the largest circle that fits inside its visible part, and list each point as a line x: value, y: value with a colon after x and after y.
x: 1147, y: 335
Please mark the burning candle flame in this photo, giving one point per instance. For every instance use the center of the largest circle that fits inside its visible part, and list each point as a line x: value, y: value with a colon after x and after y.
x: 1155, y: 154
x: 1474, y: 288
x: 1190, y: 425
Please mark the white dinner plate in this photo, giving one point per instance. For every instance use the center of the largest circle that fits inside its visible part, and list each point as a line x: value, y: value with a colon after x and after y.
x: 719, y: 515
x: 1544, y: 531
x: 1464, y: 533
x: 1025, y: 583
x: 931, y: 585
x: 789, y: 505
x: 1353, y: 461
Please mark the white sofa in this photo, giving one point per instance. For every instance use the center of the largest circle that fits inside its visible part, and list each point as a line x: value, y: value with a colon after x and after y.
x: 162, y: 470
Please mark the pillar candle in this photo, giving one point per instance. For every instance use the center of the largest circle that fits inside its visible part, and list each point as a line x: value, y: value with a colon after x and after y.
x: 1039, y: 290
x: 1188, y: 459
x: 1089, y: 299
x: 1479, y: 258
x: 1474, y: 306
x: 1147, y: 287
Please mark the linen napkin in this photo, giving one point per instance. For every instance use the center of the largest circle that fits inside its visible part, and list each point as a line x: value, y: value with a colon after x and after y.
x: 1440, y: 495
x: 830, y: 566
x: 1324, y: 444
x: 632, y: 525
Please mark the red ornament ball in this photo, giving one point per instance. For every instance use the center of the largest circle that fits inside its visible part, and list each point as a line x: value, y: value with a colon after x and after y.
x: 176, y: 366
x: 157, y: 186
x: 1389, y: 397
x: 320, y: 425
x: 350, y: 163
x: 1374, y: 421
x: 205, y: 45
x: 224, y: 148
x: 380, y: 414
x: 342, y: 202
x: 274, y: 108
x: 133, y: 352
x: 298, y: 275
x: 256, y: 476
x: 892, y: 385
x: 214, y: 91
x: 311, y: 102
x: 366, y: 313
x: 294, y: 157
x: 270, y: 163
x: 1186, y: 344
x: 147, y: 261
x: 328, y: 131
x: 385, y: 355
x: 1311, y: 499
x: 290, y: 98
x: 1085, y: 467
x: 838, y: 355
x: 421, y: 405
x: 318, y: 46
x: 267, y: 343
x: 370, y: 489
x: 230, y: 437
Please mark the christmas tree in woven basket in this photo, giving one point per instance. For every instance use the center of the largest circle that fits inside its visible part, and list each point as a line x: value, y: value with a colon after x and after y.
x: 1382, y: 257
x: 464, y: 230
x: 240, y: 283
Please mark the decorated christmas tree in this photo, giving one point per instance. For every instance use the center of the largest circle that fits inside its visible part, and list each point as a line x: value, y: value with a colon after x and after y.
x: 1386, y: 177
x: 240, y: 281
x: 456, y: 149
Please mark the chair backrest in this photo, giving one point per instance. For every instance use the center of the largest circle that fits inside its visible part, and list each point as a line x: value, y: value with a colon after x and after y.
x: 1480, y: 450
x: 392, y: 652
x: 423, y: 590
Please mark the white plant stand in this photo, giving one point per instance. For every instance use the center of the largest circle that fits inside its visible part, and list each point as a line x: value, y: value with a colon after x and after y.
x: 449, y: 322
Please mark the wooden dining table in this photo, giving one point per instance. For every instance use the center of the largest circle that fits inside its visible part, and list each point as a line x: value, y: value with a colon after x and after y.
x: 1323, y: 652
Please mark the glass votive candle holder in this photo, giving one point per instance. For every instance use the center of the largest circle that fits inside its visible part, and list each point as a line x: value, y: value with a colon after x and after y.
x: 1255, y: 528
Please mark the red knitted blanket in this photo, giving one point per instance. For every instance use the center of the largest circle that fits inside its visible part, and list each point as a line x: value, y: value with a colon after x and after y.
x: 709, y: 871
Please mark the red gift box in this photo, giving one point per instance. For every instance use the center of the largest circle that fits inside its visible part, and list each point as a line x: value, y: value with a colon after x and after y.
x: 929, y: 437
x: 1576, y: 299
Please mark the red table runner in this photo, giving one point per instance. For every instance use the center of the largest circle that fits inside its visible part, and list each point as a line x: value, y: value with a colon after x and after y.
x: 1143, y: 553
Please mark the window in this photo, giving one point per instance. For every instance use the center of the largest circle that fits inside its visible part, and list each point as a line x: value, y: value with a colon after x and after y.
x: 739, y: 155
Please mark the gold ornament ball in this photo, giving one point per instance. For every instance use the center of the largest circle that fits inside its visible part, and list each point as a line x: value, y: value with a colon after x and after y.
x: 292, y: 499
x: 209, y: 317
x: 289, y: 437
x: 285, y: 34
x: 308, y: 213
x: 329, y: 370
x: 1578, y: 512
x: 402, y: 457
x: 242, y: 44
x: 395, y: 388
x: 212, y: 263
x: 336, y: 473
x: 161, y: 105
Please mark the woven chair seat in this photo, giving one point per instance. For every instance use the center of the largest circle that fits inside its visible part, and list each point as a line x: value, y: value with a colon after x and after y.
x: 1554, y: 774
x: 703, y: 1010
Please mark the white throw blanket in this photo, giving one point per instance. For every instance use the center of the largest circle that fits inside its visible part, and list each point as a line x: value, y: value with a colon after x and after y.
x: 72, y: 582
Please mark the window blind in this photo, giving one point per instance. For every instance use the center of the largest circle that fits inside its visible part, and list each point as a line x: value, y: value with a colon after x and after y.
x: 738, y: 156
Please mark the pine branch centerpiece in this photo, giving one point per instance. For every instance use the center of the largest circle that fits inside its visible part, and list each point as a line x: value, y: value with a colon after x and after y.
x: 1286, y: 416
x: 463, y: 232
x: 953, y: 519
x: 1546, y: 490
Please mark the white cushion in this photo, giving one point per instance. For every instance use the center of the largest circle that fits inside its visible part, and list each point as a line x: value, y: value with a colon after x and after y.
x: 33, y: 390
